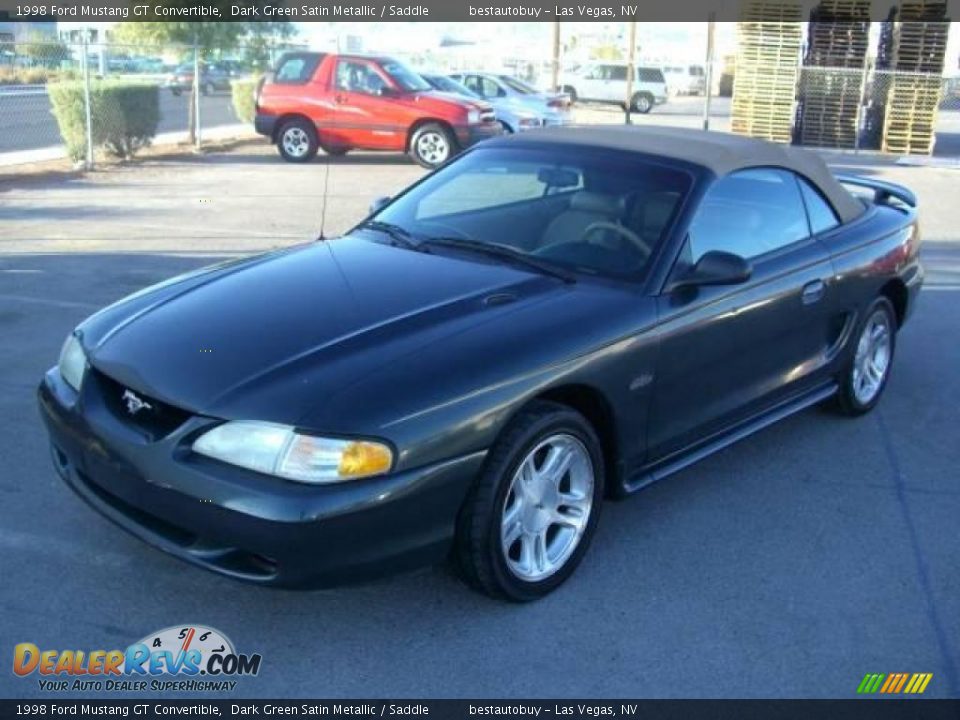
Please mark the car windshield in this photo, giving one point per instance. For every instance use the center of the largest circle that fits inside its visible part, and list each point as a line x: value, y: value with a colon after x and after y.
x: 587, y: 210
x: 517, y: 85
x: 445, y: 84
x: 404, y: 76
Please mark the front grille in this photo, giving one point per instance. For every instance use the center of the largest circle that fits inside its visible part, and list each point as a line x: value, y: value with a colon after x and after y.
x: 155, y: 419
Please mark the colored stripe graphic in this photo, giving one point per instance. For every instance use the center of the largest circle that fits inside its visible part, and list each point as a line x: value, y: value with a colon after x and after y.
x: 894, y: 683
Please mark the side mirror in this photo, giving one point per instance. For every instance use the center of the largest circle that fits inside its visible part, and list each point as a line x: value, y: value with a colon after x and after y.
x: 388, y: 92
x: 378, y: 204
x: 715, y: 268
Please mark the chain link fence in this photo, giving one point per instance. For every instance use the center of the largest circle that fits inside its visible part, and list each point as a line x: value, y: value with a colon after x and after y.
x: 86, y: 100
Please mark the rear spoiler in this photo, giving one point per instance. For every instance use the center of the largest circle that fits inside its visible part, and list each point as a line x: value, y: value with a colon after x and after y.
x: 882, y: 191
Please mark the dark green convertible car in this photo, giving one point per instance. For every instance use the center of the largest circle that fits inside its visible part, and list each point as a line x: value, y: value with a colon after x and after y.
x: 549, y: 320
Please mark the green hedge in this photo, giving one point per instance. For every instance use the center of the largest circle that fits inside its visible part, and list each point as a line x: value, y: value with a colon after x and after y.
x: 124, y: 115
x: 242, y: 96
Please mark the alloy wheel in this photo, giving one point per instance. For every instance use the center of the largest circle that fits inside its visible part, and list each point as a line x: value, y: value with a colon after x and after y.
x: 296, y: 142
x: 872, y: 360
x: 547, y: 507
x: 433, y: 148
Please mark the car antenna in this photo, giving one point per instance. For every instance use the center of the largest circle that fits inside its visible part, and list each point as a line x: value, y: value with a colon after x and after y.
x: 323, y: 213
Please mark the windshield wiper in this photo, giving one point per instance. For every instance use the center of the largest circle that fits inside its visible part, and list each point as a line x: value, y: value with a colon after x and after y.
x: 503, y: 252
x: 399, y: 236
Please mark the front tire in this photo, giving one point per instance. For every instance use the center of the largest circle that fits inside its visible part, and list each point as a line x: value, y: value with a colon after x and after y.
x: 297, y: 141
x: 532, y: 513
x: 432, y: 145
x: 866, y: 373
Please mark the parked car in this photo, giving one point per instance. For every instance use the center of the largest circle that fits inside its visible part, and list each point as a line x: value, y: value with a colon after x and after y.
x: 212, y: 78
x: 341, y: 102
x: 511, y: 116
x: 685, y: 79
x: 607, y: 82
x: 510, y: 96
x: 549, y: 319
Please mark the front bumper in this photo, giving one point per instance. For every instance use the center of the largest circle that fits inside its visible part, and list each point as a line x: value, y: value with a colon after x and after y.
x: 241, y: 524
x: 472, y: 134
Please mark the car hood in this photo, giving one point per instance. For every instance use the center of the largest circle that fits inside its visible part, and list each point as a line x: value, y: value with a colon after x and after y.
x: 312, y: 319
x: 438, y: 101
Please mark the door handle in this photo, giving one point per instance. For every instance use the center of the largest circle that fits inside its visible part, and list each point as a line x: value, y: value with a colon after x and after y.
x: 339, y: 99
x: 813, y: 291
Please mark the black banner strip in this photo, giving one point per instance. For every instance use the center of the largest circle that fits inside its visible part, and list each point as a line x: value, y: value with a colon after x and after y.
x: 875, y: 709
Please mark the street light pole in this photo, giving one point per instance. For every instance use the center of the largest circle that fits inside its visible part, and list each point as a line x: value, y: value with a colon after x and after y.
x: 708, y: 80
x: 631, y: 68
x: 555, y: 62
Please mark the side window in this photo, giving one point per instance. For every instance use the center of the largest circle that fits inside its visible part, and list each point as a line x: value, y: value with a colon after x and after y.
x: 822, y: 216
x: 489, y: 89
x: 296, y: 70
x: 749, y: 213
x: 650, y: 75
x: 358, y: 77
x: 618, y: 72
x: 473, y: 84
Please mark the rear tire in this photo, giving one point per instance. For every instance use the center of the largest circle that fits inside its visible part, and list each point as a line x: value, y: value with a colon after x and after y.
x: 528, y: 521
x: 432, y: 145
x: 571, y: 91
x: 297, y: 141
x: 642, y: 103
x: 866, y: 372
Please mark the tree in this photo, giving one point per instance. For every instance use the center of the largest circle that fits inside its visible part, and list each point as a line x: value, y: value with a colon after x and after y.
x: 207, y: 37
x: 261, y: 39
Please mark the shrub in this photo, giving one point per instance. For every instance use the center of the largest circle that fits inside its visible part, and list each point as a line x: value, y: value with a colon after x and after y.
x: 123, y: 115
x: 242, y: 95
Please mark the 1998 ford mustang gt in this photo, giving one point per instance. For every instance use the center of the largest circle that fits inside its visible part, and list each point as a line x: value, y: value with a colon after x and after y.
x: 548, y: 320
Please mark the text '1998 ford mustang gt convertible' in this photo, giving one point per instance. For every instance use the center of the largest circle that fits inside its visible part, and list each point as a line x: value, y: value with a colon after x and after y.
x: 548, y: 320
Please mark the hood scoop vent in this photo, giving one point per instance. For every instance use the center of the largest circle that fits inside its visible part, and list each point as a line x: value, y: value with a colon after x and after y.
x: 497, y: 299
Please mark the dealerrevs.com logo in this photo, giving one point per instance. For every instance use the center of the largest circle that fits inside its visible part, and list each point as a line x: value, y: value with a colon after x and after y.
x: 183, y: 658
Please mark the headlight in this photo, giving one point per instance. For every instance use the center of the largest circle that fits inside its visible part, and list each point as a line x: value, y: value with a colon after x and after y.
x: 73, y: 362
x: 473, y: 117
x: 279, y: 450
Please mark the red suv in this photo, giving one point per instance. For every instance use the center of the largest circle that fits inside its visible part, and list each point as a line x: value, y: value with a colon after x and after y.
x: 345, y: 102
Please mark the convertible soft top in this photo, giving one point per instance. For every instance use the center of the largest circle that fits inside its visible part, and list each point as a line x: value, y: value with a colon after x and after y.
x: 720, y: 152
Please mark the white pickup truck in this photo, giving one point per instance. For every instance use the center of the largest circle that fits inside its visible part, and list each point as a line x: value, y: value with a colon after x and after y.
x: 607, y: 82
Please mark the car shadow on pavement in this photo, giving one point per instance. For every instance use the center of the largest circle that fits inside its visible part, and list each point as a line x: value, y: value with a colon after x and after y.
x: 270, y: 158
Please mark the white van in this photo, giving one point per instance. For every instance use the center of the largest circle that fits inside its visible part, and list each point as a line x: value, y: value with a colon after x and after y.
x: 607, y: 82
x: 685, y: 79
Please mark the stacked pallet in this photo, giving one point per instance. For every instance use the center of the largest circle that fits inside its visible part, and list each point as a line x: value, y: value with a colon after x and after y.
x: 918, y: 44
x: 768, y: 54
x: 831, y: 84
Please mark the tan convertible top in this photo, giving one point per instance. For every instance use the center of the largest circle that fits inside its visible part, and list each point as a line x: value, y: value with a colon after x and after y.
x: 720, y: 152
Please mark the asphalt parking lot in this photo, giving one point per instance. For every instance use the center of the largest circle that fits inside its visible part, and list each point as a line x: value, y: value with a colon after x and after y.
x: 788, y: 565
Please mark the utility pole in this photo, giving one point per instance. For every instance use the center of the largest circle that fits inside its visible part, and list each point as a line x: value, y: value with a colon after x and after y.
x: 631, y: 68
x: 708, y: 80
x: 555, y: 61
x: 85, y: 49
